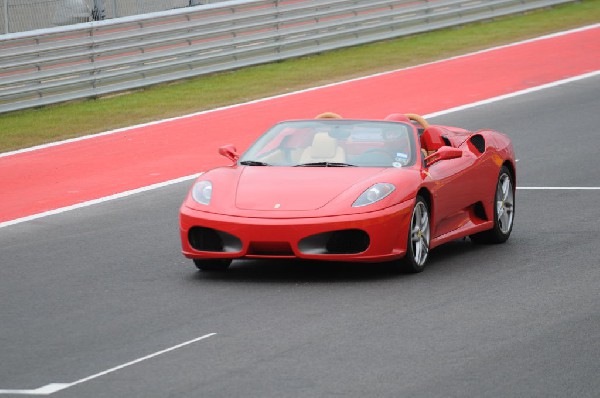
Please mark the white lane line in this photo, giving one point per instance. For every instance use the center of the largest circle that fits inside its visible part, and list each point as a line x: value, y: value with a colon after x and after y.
x: 515, y: 94
x: 45, y: 390
x: 166, y: 183
x: 540, y: 38
x: 97, y: 201
x: 190, y: 177
x: 54, y: 387
x: 561, y: 188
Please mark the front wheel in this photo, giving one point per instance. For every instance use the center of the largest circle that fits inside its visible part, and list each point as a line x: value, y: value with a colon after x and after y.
x: 504, y: 211
x: 417, y: 249
x: 212, y: 264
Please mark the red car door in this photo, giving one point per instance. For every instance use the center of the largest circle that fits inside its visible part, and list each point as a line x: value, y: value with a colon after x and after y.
x: 459, y: 187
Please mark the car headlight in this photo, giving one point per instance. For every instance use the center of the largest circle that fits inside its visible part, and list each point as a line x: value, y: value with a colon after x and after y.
x: 374, y: 194
x: 202, y: 192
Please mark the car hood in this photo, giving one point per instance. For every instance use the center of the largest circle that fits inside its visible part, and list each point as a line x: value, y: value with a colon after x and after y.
x: 295, y: 188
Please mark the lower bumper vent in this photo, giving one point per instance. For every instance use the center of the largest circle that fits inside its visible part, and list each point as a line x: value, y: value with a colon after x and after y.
x: 348, y: 241
x: 212, y: 240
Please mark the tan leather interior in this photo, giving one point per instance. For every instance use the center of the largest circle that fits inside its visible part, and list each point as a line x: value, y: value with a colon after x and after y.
x: 323, y: 149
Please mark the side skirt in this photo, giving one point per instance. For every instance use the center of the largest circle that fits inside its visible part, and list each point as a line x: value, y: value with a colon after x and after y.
x: 467, y: 229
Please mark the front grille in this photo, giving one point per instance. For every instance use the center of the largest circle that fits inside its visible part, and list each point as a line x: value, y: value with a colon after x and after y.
x: 270, y: 249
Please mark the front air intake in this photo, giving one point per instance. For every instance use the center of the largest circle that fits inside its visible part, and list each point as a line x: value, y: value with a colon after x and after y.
x: 350, y: 241
x: 211, y: 240
x: 347, y: 241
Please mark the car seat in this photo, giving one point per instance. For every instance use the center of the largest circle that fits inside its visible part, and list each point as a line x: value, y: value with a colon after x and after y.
x: 323, y: 149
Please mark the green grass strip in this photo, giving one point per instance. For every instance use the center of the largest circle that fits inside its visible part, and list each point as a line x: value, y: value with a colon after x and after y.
x: 26, y: 128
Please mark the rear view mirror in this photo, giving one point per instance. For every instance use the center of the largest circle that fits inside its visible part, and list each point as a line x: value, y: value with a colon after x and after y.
x: 229, y: 152
x: 443, y: 153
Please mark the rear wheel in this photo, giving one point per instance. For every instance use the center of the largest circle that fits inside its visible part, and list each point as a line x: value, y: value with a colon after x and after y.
x: 504, y: 211
x: 212, y: 264
x: 417, y: 249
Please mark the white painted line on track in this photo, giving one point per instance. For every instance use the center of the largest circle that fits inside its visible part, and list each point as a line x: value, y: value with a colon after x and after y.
x: 97, y: 201
x: 190, y: 177
x: 186, y: 178
x: 54, y: 387
x: 515, y: 94
x: 561, y: 188
x: 51, y: 144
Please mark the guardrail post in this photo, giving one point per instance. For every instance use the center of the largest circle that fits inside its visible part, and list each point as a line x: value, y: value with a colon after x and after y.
x: 6, y: 30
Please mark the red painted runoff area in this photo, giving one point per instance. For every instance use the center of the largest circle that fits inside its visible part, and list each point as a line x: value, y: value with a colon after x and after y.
x: 57, y: 176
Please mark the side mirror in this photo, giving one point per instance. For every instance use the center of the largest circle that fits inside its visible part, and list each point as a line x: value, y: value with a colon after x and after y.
x: 443, y: 153
x: 229, y: 152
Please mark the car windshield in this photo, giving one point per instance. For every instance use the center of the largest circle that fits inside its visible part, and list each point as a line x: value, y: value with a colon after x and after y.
x: 334, y: 143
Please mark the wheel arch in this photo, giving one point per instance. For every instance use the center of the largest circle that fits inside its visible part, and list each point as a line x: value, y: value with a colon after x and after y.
x: 511, y: 168
x: 425, y: 194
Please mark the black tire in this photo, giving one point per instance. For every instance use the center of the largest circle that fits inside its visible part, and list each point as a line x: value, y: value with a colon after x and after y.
x: 212, y: 264
x: 504, y: 215
x: 417, y: 245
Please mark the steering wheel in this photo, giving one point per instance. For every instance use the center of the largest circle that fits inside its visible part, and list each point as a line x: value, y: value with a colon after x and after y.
x: 383, y: 151
x: 380, y: 150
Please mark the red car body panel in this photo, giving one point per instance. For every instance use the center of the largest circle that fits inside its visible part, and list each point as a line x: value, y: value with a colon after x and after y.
x: 286, y: 212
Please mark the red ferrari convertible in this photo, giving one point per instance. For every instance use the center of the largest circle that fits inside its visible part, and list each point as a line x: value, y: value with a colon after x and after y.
x: 352, y: 190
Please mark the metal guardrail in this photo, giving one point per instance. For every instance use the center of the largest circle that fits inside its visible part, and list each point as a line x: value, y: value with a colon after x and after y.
x: 97, y: 58
x: 24, y: 15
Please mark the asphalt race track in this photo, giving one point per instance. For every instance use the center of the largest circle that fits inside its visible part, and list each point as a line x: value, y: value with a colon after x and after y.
x: 89, y: 290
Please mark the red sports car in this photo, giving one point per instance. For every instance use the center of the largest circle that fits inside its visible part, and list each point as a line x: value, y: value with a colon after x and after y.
x: 352, y: 190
